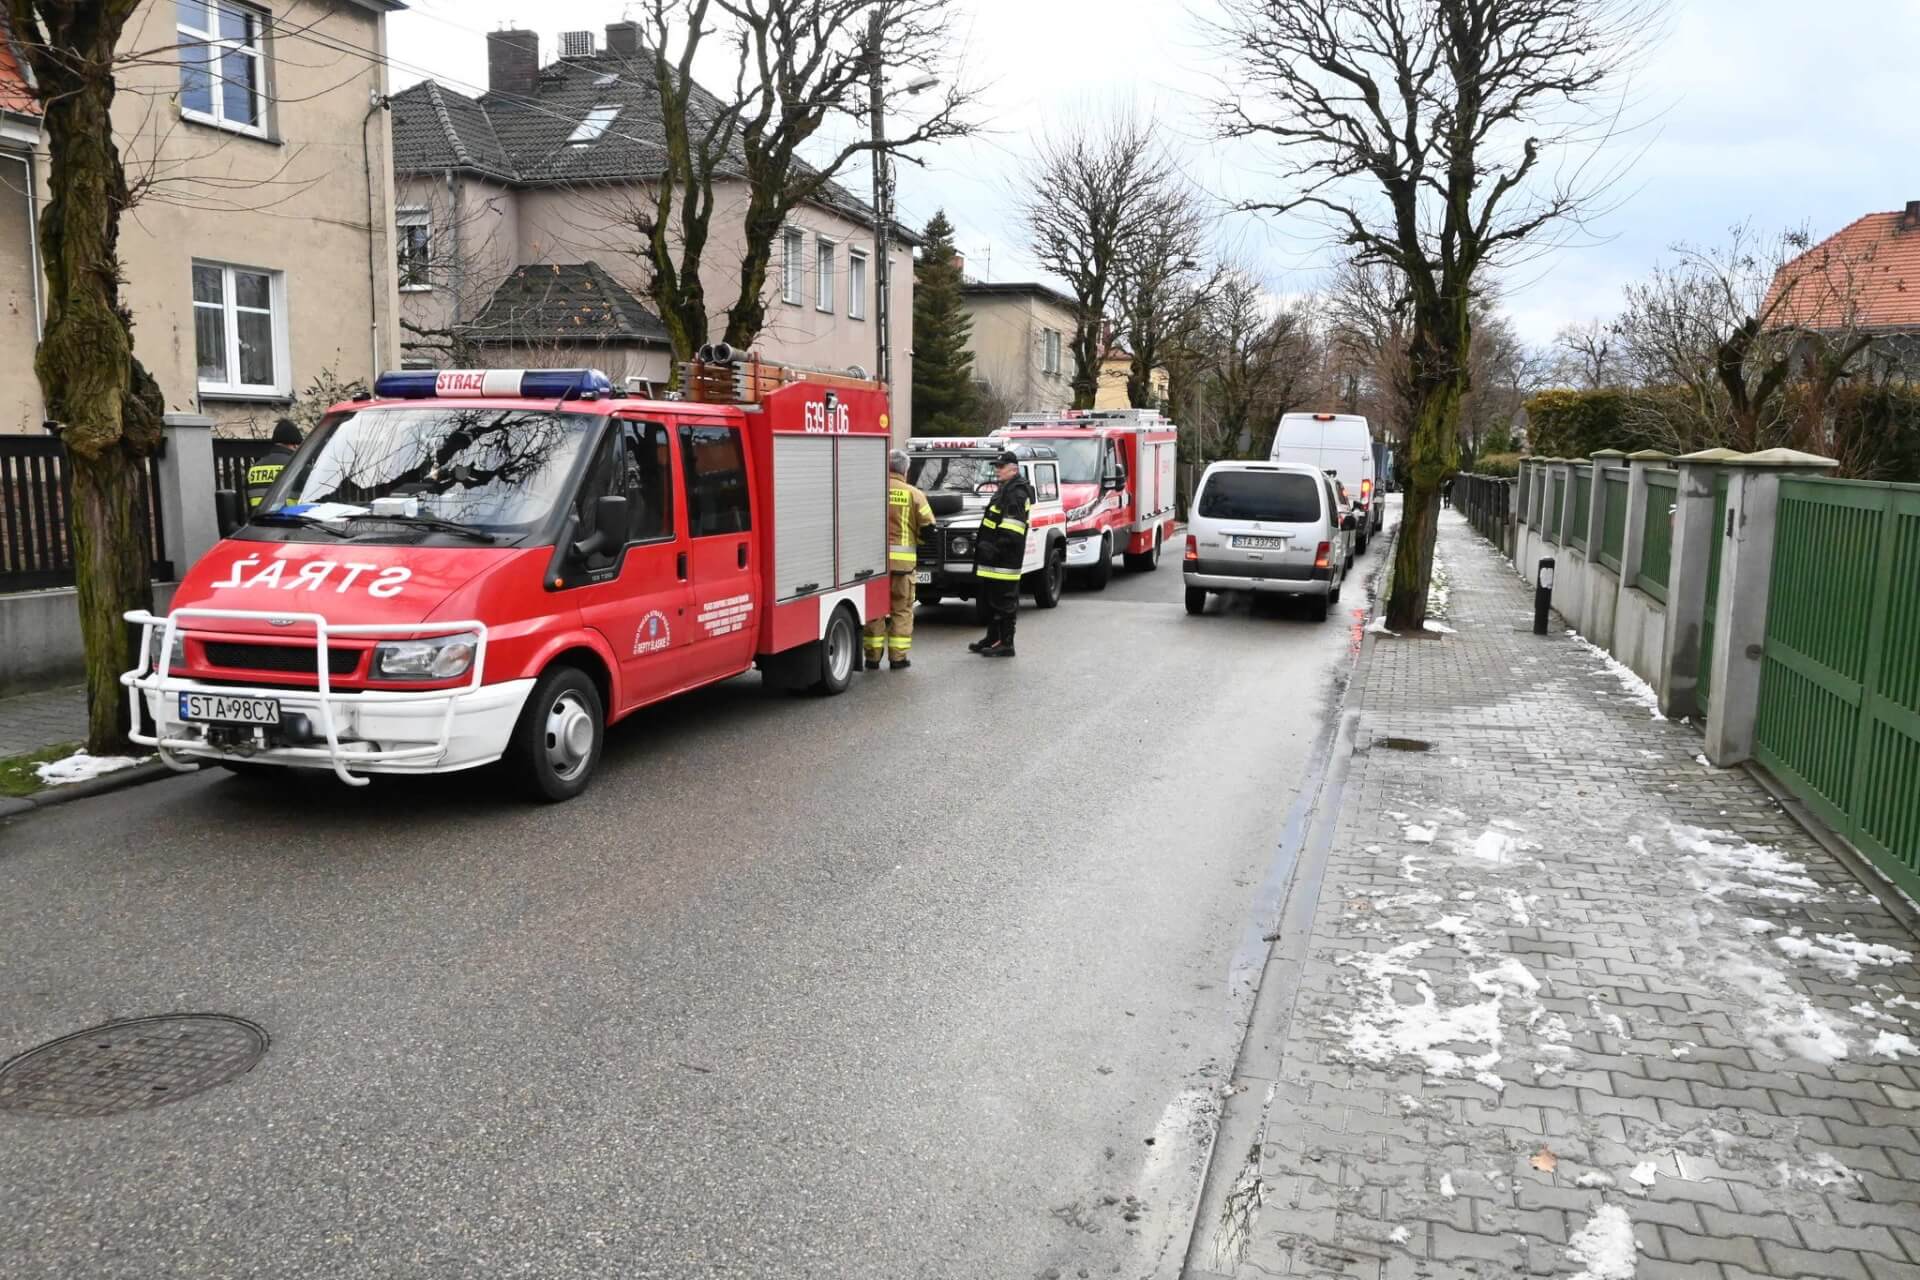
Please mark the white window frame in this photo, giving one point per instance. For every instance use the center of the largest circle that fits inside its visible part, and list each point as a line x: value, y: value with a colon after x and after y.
x: 1050, y: 351
x: 793, y: 266
x: 856, y: 284
x: 404, y: 218
x: 594, y: 125
x: 281, y: 387
x: 823, y: 266
x: 217, y: 118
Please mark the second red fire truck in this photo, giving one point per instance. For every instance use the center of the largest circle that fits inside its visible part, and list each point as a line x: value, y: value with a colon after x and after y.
x: 493, y: 565
x: 1116, y: 481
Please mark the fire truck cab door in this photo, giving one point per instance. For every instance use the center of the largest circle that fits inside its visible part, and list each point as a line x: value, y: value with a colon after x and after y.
x: 643, y: 608
x: 723, y: 616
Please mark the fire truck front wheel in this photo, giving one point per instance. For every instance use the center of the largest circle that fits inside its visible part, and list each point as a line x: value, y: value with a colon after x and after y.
x: 1102, y: 571
x: 562, y: 729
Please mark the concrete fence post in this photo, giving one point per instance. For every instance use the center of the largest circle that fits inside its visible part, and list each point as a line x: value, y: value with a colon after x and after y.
x: 186, y: 479
x: 1693, y: 535
x: 1563, y: 496
x: 1740, y: 609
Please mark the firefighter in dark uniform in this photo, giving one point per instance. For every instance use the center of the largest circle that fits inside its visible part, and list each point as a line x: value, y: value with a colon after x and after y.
x: 268, y: 466
x: 998, y: 552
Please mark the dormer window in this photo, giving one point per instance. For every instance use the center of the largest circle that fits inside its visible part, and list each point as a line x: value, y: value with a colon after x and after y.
x: 593, y: 126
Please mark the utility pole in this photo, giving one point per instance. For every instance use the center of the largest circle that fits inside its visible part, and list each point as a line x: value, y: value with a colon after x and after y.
x: 882, y: 207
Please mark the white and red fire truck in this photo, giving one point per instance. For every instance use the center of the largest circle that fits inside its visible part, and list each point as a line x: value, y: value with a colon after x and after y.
x: 1116, y: 479
x: 494, y: 565
x: 959, y: 474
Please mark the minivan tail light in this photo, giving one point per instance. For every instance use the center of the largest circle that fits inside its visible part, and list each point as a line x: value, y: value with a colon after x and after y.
x: 1366, y: 490
x: 1320, y: 556
x: 1193, y: 548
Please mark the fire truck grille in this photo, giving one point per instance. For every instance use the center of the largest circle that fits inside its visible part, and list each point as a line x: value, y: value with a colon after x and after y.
x: 289, y: 658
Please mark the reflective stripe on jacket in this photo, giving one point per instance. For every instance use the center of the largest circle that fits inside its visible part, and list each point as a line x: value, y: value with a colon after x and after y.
x: 264, y: 471
x: 907, y: 514
x: 1002, y: 545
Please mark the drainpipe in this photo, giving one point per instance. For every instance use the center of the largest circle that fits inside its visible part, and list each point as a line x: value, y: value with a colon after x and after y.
x: 458, y: 268
x: 373, y: 272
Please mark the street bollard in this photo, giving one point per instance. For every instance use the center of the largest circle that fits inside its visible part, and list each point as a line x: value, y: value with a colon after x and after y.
x: 1542, y: 596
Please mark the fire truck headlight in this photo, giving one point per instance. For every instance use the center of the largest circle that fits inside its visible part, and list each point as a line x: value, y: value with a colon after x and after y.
x: 440, y: 658
x: 178, y: 659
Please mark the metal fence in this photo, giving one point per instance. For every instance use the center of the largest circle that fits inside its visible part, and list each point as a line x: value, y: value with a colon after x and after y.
x: 1839, y: 712
x: 1613, y: 517
x: 36, y: 495
x: 1703, y: 679
x: 1556, y: 499
x: 1488, y: 503
x: 1582, y: 506
x: 1656, y: 534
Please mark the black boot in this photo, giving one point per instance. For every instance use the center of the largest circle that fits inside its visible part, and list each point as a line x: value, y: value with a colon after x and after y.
x: 988, y: 641
x: 1005, y: 648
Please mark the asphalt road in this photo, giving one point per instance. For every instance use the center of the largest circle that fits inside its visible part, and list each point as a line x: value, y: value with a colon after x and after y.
x: 897, y: 984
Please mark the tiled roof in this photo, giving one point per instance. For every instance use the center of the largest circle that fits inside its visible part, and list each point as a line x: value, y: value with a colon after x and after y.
x: 16, y: 92
x: 1865, y: 276
x: 575, y: 303
x: 524, y: 140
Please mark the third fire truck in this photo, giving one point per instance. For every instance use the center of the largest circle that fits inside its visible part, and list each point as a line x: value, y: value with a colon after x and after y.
x: 1116, y: 480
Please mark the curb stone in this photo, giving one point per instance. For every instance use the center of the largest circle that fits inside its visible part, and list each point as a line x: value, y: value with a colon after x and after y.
x: 119, y: 780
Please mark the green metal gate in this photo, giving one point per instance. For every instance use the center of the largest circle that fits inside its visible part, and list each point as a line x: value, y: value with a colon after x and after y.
x: 1839, y: 714
x: 1704, y: 687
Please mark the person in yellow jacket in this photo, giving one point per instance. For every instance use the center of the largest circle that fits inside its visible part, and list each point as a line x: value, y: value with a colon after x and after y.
x: 907, y: 514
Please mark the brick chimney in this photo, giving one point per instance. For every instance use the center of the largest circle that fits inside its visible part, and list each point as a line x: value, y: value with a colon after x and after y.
x: 513, y: 62
x: 960, y: 264
x: 623, y: 39
x: 1910, y: 220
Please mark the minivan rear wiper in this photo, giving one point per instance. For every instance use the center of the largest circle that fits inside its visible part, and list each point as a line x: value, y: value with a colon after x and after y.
x: 435, y: 523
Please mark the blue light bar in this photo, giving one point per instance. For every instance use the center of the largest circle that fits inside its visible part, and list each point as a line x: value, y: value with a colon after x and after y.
x: 531, y: 384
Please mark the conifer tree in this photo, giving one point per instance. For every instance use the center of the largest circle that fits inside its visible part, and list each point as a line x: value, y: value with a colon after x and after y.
x: 943, y: 390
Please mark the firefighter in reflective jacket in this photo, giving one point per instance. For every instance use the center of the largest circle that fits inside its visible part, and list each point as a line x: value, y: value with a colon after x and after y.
x: 907, y: 514
x: 998, y: 553
x: 266, y: 468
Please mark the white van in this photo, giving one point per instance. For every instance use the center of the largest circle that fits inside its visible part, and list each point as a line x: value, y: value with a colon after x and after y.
x: 1341, y: 443
x: 1262, y: 528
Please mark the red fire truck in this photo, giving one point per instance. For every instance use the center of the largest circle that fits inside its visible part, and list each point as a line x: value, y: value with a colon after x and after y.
x: 1117, y: 481
x: 494, y: 565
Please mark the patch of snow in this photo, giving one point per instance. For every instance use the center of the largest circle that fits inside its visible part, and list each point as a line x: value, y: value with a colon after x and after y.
x: 1682, y: 1050
x: 1373, y: 848
x: 1380, y: 1028
x: 1417, y: 834
x: 1517, y: 905
x: 1783, y: 1023
x: 1594, y: 1179
x: 1751, y: 925
x: 1439, y: 628
x: 81, y: 767
x: 1630, y: 684
x: 1841, y: 954
x: 1889, y: 1044
x: 1492, y: 846
x: 1509, y: 825
x: 1825, y: 1172
x: 1378, y: 627
x: 1700, y: 758
x: 1397, y: 817
x: 1398, y: 1235
x: 1446, y: 1186
x: 1866, y: 1010
x: 1724, y: 863
x: 1644, y: 1173
x: 1605, y: 1247
x: 1406, y: 867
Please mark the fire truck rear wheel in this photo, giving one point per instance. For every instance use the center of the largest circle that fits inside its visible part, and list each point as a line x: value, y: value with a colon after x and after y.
x: 562, y: 729
x: 837, y: 648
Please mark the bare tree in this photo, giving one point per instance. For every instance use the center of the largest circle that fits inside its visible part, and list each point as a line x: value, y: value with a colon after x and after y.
x: 799, y: 65
x: 1261, y: 362
x: 1424, y: 132
x: 1367, y: 316
x: 1161, y: 286
x: 1090, y: 194
x: 1588, y: 355
x: 1722, y: 335
x: 107, y: 403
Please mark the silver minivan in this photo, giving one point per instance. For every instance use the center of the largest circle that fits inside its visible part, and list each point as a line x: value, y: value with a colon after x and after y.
x: 1267, y: 528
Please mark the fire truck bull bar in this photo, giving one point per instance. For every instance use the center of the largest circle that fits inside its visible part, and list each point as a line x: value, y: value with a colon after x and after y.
x: 148, y: 678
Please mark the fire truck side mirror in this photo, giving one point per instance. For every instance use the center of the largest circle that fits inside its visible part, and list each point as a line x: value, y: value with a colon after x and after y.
x: 228, y: 513
x: 610, y: 525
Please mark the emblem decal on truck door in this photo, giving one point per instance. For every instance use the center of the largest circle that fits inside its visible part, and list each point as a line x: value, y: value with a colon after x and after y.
x: 653, y: 634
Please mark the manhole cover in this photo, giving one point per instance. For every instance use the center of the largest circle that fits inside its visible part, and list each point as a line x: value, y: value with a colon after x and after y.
x: 130, y: 1065
x: 1403, y: 744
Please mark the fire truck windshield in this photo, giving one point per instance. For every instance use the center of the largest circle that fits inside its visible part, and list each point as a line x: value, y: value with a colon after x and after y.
x: 941, y: 473
x: 1079, y: 459
x: 497, y: 470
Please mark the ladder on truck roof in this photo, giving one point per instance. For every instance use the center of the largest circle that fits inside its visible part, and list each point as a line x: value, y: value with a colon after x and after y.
x: 1094, y: 418
x: 716, y: 375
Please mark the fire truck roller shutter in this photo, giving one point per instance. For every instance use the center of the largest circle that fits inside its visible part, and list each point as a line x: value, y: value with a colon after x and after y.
x: 803, y: 495
x: 863, y: 506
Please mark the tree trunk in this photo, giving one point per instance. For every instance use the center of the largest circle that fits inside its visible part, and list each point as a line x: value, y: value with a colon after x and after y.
x: 108, y: 405
x: 1433, y: 453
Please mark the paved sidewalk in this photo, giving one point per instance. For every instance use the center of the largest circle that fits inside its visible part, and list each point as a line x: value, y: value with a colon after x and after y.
x: 30, y: 721
x: 1547, y: 1024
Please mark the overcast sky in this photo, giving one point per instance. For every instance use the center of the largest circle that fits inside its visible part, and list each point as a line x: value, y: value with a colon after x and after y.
x: 1776, y: 110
